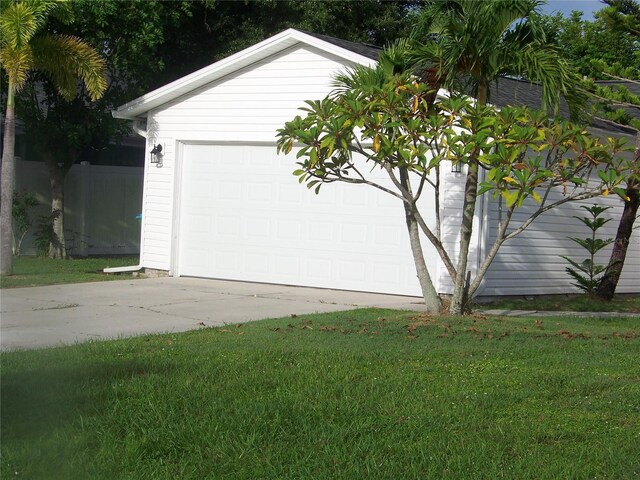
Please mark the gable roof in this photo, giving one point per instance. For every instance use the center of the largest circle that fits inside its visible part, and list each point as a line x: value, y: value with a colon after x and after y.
x: 354, y: 52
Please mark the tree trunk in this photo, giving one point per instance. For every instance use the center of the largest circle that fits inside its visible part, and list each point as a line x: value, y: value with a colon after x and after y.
x: 57, y: 247
x: 607, y: 287
x: 459, y: 299
x: 457, y: 306
x: 7, y: 184
x: 431, y: 298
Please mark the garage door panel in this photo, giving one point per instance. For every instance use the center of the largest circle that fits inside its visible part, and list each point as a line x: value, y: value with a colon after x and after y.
x: 257, y: 229
x: 259, y: 192
x: 320, y: 232
x: 244, y: 216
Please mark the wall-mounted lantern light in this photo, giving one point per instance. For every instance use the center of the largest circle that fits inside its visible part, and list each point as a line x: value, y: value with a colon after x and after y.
x: 456, y: 167
x: 156, y: 154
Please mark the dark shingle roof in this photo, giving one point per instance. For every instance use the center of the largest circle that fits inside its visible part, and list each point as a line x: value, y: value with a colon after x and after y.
x: 369, y: 51
x: 511, y: 91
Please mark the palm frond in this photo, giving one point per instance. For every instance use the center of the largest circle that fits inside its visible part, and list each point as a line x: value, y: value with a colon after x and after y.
x: 505, y: 15
x: 17, y: 62
x: 18, y: 25
x: 394, y: 60
x: 20, y: 20
x: 396, y: 57
x: 478, y: 41
x: 65, y: 59
x: 358, y: 76
x: 542, y: 64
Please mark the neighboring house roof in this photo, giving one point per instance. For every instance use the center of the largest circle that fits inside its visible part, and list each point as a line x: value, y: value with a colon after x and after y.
x: 350, y: 51
x: 511, y: 91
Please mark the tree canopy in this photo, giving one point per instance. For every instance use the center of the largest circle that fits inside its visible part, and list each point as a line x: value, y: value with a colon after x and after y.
x: 388, y: 122
x: 26, y: 47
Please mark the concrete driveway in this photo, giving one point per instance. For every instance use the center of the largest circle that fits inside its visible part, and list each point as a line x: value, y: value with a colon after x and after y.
x: 65, y: 314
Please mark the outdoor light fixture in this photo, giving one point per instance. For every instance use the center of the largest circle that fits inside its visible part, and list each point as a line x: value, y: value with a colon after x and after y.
x: 456, y: 167
x: 156, y: 154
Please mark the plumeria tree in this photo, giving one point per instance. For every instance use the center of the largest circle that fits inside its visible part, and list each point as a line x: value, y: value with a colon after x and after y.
x: 388, y: 120
x: 467, y: 45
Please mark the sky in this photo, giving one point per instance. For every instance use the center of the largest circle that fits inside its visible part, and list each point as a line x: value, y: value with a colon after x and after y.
x: 566, y: 6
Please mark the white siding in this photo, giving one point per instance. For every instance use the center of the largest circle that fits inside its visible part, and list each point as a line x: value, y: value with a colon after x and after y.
x: 530, y: 263
x: 451, y: 199
x: 247, y: 106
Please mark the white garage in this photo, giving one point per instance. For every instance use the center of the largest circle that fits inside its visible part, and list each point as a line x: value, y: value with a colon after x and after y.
x: 220, y: 203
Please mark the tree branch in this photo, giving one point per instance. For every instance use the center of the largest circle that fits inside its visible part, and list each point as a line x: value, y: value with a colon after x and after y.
x: 444, y: 256
x: 616, y: 123
x: 488, y: 259
x: 542, y: 209
x: 361, y: 181
x: 612, y: 102
x: 636, y: 82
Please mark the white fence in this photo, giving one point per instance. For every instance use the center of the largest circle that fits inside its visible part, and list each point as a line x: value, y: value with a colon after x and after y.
x: 101, y: 207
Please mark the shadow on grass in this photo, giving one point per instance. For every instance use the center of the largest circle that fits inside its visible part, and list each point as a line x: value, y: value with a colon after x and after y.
x: 41, y: 400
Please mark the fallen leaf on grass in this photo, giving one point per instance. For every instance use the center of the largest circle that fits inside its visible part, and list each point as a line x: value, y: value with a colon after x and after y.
x: 627, y: 335
x: 328, y: 328
x: 226, y: 330
x: 570, y: 336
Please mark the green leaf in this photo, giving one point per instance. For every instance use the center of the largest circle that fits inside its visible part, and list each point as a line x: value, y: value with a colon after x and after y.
x: 511, y: 197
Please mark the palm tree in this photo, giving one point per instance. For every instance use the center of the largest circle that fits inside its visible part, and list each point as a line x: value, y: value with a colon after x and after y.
x: 24, y: 49
x: 468, y: 45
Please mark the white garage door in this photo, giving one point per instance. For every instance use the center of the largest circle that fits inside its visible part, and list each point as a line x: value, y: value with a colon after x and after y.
x: 244, y: 216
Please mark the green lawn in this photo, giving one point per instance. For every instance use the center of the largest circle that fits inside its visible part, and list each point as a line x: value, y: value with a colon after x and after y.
x: 36, y: 271
x: 575, y: 303
x: 367, y: 394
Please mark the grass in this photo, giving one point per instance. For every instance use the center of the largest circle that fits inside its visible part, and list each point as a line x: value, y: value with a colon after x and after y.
x: 37, y: 271
x: 563, y: 303
x: 373, y: 394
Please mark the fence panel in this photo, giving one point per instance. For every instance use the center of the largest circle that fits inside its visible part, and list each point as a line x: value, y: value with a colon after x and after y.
x: 101, y: 204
